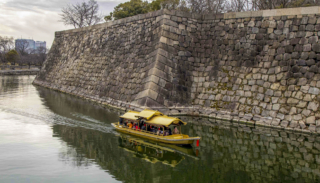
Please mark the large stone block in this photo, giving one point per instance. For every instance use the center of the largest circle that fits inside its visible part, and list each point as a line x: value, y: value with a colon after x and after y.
x: 311, y: 120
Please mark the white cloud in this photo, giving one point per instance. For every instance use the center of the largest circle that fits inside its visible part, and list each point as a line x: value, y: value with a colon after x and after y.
x: 39, y: 19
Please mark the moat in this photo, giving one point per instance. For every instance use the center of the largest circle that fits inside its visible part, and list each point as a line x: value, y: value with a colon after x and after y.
x: 48, y: 136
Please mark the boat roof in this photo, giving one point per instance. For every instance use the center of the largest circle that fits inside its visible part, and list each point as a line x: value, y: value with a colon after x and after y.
x: 130, y: 115
x: 153, y: 117
x: 165, y: 121
x: 149, y: 114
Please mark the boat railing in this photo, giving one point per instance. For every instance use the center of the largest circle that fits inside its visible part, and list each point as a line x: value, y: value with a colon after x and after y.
x: 145, y: 131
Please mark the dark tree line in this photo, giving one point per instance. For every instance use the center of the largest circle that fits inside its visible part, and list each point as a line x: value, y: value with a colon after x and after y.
x: 21, y: 54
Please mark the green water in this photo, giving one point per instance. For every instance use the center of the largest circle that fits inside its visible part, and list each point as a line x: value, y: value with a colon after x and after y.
x: 47, y: 136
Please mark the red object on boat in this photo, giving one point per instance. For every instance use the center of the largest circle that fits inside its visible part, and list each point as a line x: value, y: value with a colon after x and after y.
x: 197, y: 143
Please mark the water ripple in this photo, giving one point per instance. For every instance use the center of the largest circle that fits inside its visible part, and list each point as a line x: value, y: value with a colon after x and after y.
x: 57, y: 119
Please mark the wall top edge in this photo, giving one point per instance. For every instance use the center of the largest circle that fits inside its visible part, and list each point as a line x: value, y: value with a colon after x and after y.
x: 263, y: 13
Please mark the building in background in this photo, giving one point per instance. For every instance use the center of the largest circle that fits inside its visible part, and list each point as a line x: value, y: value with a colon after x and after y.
x: 40, y: 44
x: 28, y: 45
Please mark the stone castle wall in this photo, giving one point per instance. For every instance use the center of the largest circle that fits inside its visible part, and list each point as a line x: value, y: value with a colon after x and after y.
x: 258, y: 67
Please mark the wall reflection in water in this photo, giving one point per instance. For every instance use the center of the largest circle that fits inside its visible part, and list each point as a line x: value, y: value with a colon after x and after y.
x: 12, y: 84
x: 229, y: 152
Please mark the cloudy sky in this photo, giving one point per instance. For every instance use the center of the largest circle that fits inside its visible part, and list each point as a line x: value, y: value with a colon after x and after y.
x: 39, y: 19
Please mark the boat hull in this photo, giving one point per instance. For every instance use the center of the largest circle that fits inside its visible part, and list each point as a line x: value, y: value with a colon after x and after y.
x: 178, y: 139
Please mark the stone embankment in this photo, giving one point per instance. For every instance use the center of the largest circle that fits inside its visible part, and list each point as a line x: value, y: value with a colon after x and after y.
x: 20, y: 72
x: 257, y: 67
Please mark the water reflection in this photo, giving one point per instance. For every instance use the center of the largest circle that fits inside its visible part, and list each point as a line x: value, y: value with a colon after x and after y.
x: 149, y: 152
x: 15, y: 84
x: 229, y: 152
x: 75, y: 108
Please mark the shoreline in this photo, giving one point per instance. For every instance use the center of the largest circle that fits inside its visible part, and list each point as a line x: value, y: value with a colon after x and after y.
x: 19, y: 72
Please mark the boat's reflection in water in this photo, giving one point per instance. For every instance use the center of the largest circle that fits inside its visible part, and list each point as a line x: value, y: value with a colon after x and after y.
x: 154, y: 152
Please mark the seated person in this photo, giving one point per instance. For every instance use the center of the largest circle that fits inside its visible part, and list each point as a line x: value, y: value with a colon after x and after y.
x: 130, y: 125
x: 175, y: 130
x: 137, y: 127
x: 159, y: 132
x: 164, y: 131
x: 141, y: 123
x: 152, y: 129
x: 121, y: 121
x: 167, y: 131
x: 143, y: 127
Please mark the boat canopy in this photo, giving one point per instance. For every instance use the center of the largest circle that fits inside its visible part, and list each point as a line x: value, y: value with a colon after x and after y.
x: 130, y: 115
x: 153, y: 117
x: 149, y: 114
x: 165, y: 121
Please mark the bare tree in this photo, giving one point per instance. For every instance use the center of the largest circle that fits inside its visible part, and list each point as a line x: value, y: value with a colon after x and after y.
x: 254, y: 5
x: 217, y: 6
x: 81, y: 14
x: 267, y: 4
x: 6, y: 44
x: 26, y: 60
x: 22, y: 46
x: 34, y: 57
x: 272, y: 4
x: 239, y: 5
x: 206, y: 6
x: 170, y: 4
x: 41, y: 55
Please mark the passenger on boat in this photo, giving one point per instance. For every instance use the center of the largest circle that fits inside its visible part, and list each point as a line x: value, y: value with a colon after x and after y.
x: 152, y: 129
x: 169, y: 131
x: 143, y: 127
x: 142, y: 122
x: 159, y: 132
x: 175, y: 130
x: 137, y: 127
x: 130, y: 125
x: 148, y: 128
x: 164, y: 132
x: 121, y: 121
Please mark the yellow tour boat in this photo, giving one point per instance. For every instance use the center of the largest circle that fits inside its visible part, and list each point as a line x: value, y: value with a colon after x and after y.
x: 154, y: 119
